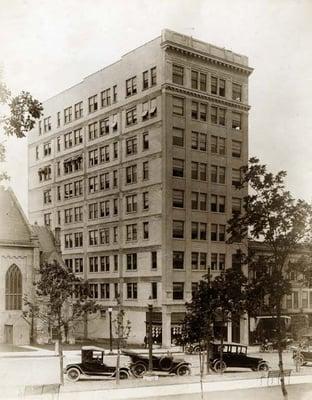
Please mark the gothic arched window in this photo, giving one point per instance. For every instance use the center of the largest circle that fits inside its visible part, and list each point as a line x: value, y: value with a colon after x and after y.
x: 13, y: 288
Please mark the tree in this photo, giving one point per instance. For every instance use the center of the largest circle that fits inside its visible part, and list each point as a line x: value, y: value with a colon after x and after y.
x: 64, y: 299
x: 272, y: 215
x: 23, y: 111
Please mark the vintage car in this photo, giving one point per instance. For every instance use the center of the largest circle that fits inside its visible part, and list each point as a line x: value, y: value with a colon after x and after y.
x: 163, y: 364
x: 92, y: 364
x: 235, y: 355
x: 302, y: 355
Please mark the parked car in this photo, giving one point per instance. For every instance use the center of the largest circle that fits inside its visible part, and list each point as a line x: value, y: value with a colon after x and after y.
x: 235, y: 355
x: 267, y: 346
x: 193, y: 348
x: 92, y: 364
x: 302, y: 355
x: 162, y: 364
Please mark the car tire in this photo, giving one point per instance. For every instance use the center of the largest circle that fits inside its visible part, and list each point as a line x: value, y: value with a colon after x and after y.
x: 196, y: 350
x: 263, y: 366
x: 73, y: 374
x: 123, y: 374
x: 183, y: 370
x: 138, y: 369
x: 218, y: 366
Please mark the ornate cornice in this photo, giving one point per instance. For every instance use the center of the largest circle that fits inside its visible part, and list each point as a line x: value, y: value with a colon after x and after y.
x: 167, y: 45
x: 200, y: 95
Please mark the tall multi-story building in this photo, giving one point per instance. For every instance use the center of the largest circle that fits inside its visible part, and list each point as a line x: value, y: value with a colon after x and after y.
x: 137, y: 164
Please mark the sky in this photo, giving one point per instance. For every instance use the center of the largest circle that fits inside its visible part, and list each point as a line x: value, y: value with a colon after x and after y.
x: 47, y: 46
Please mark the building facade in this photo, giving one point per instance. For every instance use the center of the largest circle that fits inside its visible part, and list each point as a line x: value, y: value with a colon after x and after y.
x: 136, y: 164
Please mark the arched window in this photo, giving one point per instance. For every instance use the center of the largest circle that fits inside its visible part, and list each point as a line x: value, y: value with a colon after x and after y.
x: 13, y: 288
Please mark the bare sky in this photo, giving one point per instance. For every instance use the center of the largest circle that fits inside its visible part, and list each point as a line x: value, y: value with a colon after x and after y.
x: 49, y: 45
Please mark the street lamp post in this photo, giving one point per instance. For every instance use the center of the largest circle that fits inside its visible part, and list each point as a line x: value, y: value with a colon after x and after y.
x: 110, y: 330
x: 150, y: 340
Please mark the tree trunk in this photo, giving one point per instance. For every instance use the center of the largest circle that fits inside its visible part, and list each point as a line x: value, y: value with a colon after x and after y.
x: 118, y: 361
x: 208, y: 354
x: 221, y: 347
x: 60, y: 353
x: 85, y: 325
x: 201, y: 372
x: 280, y: 350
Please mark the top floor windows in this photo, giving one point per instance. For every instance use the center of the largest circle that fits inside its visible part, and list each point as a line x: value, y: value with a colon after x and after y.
x: 78, y: 109
x: 106, y: 98
x: 236, y: 92
x: 131, y: 86
x: 115, y: 94
x: 92, y: 103
x: 177, y: 74
x: 145, y: 80
x: 67, y: 115
x: 153, y: 76
x: 149, y: 78
x: 46, y: 124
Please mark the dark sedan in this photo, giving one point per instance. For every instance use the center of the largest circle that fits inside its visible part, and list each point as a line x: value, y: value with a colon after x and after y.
x: 165, y: 364
x: 92, y: 364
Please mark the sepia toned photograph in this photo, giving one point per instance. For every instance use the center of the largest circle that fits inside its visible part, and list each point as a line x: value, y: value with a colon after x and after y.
x: 155, y: 199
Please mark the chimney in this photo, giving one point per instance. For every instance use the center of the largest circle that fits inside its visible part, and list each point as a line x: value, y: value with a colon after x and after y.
x: 57, y: 238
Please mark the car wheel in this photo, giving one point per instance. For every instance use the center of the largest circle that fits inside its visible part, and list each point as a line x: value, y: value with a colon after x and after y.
x: 138, y: 369
x: 188, y: 349
x: 73, y: 374
x: 123, y: 374
x: 263, y: 366
x: 183, y: 370
x: 196, y: 350
x: 219, y: 367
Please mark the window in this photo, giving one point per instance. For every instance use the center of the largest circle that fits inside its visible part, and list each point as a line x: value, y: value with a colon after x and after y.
x: 199, y: 261
x: 236, y: 149
x: 115, y: 234
x: 153, y: 76
x: 78, y: 237
x: 104, y: 181
x: 304, y: 298
x: 131, y: 203
x: 37, y: 152
x: 177, y: 105
x: 115, y: 206
x: 217, y: 86
x: 131, y: 146
x: 115, y: 122
x: 104, y: 291
x: 178, y: 167
x: 217, y: 174
x: 177, y: 74
x: 214, y: 85
x: 217, y: 262
x: 93, y: 184
x: 115, y: 178
x: 45, y: 173
x: 131, y: 174
x: 104, y: 127
x: 217, y: 233
x: 236, y: 121
x: 115, y: 262
x: 94, y: 290
x: 93, y: 264
x: 78, y: 109
x: 177, y: 290
x: 145, y: 80
x: 199, y: 171
x: 236, y: 177
x: 58, y: 117
x: 236, y: 92
x: 93, y: 131
x: 154, y: 290
x: 93, y: 238
x: 178, y: 198
x: 145, y: 201
x: 93, y: 157
x: 202, y: 82
x: 104, y: 236
x: 217, y: 115
x: 104, y: 154
x: 78, y: 139
x: 131, y: 261
x: 68, y: 239
x: 178, y: 260
x: 78, y: 266
x: 178, y: 229
x: 78, y: 214
x: 47, y: 219
x: 178, y: 137
x: 92, y: 102
x: 218, y: 145
x: 46, y: 149
x: 236, y: 205
x: 145, y: 230
x: 132, y: 291
x: 217, y: 203
x: 67, y: 115
x: 106, y: 98
x: 194, y: 79
x: 199, y: 231
x: 115, y: 150
x: 199, y: 141
x: 145, y: 170
x: 46, y: 124
x: 199, y: 111
x: 93, y: 211
x: 104, y: 208
x: 131, y: 116
x: 131, y: 86
x: 199, y: 201
x: 40, y: 127
x: 77, y: 188
x: 68, y: 215
x: 195, y: 286
x: 145, y: 142
x: 47, y: 199
x: 13, y: 288
x: 154, y: 259
x: 222, y: 87
x: 115, y: 94
x: 131, y: 232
